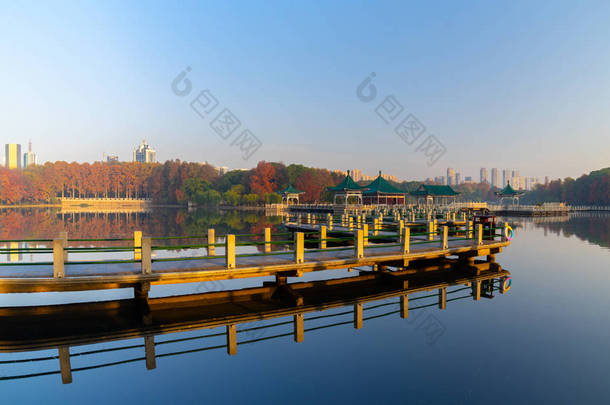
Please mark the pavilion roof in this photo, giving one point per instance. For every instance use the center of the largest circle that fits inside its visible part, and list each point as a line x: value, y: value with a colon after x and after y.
x: 382, y: 186
x: 508, y: 191
x: 348, y: 184
x: 434, y: 190
x: 291, y: 190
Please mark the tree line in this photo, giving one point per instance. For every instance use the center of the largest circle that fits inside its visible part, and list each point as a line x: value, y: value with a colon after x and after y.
x: 173, y: 182
x: 176, y: 182
x: 588, y: 189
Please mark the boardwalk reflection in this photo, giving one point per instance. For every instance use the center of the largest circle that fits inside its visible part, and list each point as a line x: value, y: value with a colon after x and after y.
x: 64, y: 327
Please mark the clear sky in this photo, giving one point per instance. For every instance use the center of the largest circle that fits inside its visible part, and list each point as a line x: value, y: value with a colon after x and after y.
x: 515, y: 84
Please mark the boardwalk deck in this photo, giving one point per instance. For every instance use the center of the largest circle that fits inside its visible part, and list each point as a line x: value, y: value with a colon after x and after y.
x: 103, y: 276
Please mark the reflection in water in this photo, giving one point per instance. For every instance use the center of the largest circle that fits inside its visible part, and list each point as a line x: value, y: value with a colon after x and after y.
x: 589, y: 227
x: 35, y: 223
x: 247, y: 316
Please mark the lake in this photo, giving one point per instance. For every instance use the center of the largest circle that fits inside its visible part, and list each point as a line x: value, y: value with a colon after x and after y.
x: 545, y: 340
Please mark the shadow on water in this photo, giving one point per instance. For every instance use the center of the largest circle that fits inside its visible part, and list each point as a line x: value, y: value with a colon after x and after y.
x: 172, y: 326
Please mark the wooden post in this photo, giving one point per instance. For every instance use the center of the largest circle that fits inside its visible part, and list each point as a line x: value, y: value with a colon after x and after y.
x: 469, y: 229
x: 479, y: 234
x: 58, y: 258
x: 329, y: 221
x: 211, y: 242
x: 365, y: 233
x: 137, y: 244
x: 406, y: 240
x: 64, y: 235
x: 445, y: 238
x: 146, y: 255
x: 351, y: 223
x: 404, y: 306
x: 267, y: 240
x: 308, y: 218
x: 299, y: 328
x: 149, y: 348
x: 476, y: 290
x: 358, y: 316
x: 64, y: 364
x: 230, y: 252
x: 231, y: 338
x: 430, y: 230
x: 358, y: 244
x: 442, y: 298
x: 375, y: 226
x: 322, y: 237
x: 299, y: 247
x: 401, y: 226
x: 504, y: 238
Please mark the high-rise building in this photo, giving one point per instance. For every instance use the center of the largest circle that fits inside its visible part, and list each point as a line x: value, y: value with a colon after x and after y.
x: 505, y: 177
x: 484, y: 174
x: 29, y: 157
x: 13, y: 156
x: 144, y: 153
x: 458, y: 178
x: 450, y: 176
x: 495, y: 178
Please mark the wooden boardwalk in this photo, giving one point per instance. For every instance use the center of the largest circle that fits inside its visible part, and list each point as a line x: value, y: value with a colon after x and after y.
x: 291, y: 260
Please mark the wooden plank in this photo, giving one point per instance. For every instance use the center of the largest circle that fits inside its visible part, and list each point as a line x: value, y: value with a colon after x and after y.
x: 58, y: 258
x: 211, y: 240
x: 146, y: 255
x: 230, y: 252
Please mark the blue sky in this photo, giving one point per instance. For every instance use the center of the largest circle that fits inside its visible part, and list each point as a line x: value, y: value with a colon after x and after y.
x: 514, y: 84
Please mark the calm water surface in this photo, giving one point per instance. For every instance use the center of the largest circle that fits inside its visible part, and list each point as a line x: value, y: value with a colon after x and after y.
x: 547, y: 340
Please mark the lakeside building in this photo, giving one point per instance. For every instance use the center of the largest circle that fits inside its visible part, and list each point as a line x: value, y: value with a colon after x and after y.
x: 144, y: 153
x: 509, y: 193
x: 380, y: 191
x: 434, y: 194
x: 346, y: 189
x: 290, y: 195
x: 12, y: 153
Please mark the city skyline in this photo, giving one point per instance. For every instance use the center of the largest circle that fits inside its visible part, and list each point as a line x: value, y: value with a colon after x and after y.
x: 273, y: 82
x: 145, y: 154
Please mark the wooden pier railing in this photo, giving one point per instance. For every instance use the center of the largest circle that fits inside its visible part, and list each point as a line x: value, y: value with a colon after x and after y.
x: 311, y: 247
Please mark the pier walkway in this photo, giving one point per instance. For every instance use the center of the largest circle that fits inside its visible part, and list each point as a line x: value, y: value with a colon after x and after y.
x: 272, y: 257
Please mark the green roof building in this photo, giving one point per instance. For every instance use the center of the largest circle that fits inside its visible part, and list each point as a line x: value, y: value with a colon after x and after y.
x: 380, y: 191
x: 434, y: 195
x: 346, y: 189
x: 509, y: 192
x: 291, y: 195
